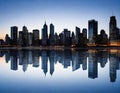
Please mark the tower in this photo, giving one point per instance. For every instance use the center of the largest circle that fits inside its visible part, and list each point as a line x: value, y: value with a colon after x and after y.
x: 92, y: 30
x: 113, y: 34
x: 14, y: 33
x: 25, y: 36
x: 36, y: 37
x: 51, y: 36
x: 44, y: 34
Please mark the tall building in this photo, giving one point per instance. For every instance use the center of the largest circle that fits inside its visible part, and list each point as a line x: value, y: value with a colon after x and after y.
x: 66, y: 37
x: 14, y: 33
x: 61, y: 39
x: 73, y: 39
x: 92, y: 30
x: 113, y: 31
x: 36, y: 37
x: 44, y: 35
x: 56, y: 39
x: 84, y: 32
x: 25, y: 36
x: 77, y: 32
x: 7, y: 39
x: 30, y: 39
x: 20, y: 40
x: 51, y: 36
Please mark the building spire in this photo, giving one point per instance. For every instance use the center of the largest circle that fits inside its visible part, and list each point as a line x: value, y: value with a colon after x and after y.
x: 45, y: 22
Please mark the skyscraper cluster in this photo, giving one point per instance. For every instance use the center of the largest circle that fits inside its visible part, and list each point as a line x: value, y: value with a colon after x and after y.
x: 76, y: 38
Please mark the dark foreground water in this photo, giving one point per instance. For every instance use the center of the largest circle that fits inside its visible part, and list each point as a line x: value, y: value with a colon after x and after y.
x: 83, y: 71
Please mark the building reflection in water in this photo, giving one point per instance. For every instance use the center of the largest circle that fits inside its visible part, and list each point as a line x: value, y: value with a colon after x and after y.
x: 67, y: 58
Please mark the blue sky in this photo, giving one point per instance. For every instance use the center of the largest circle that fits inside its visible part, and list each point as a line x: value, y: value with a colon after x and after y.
x: 62, y: 13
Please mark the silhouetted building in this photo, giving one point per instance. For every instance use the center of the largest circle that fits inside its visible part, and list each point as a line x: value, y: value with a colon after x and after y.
x: 113, y: 34
x: 44, y: 35
x: 102, y: 39
x: 77, y: 32
x: 36, y: 37
x: 84, y: 32
x: 7, y: 39
x: 51, y: 36
x: 30, y: 39
x: 66, y: 37
x: 56, y: 39
x: 73, y: 39
x: 14, y: 34
x: 92, y: 32
x: 61, y: 39
x: 25, y: 36
x: 1, y: 42
x: 20, y: 40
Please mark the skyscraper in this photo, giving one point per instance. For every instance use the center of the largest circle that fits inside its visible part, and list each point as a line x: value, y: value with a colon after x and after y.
x: 56, y: 39
x: 113, y: 31
x: 21, y: 38
x: 73, y: 39
x: 66, y: 37
x: 44, y: 35
x: 84, y: 32
x: 51, y: 36
x: 30, y: 39
x: 36, y: 37
x: 92, y: 30
x: 77, y: 32
x: 25, y: 36
x: 14, y: 33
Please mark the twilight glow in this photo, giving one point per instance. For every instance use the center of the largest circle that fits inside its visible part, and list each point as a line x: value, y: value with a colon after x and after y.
x: 62, y: 13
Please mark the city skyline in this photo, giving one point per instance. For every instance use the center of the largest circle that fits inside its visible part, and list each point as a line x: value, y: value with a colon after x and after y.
x: 77, y: 38
x: 64, y: 14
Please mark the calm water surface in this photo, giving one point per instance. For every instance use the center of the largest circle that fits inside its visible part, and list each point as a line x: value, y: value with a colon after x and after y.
x: 83, y: 71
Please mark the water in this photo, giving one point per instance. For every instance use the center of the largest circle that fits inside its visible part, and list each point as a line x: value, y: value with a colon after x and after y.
x: 67, y: 71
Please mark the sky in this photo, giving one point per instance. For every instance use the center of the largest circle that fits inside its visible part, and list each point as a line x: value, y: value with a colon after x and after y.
x: 62, y: 13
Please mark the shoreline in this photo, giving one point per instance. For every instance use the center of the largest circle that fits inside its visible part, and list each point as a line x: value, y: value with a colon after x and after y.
x: 58, y: 48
